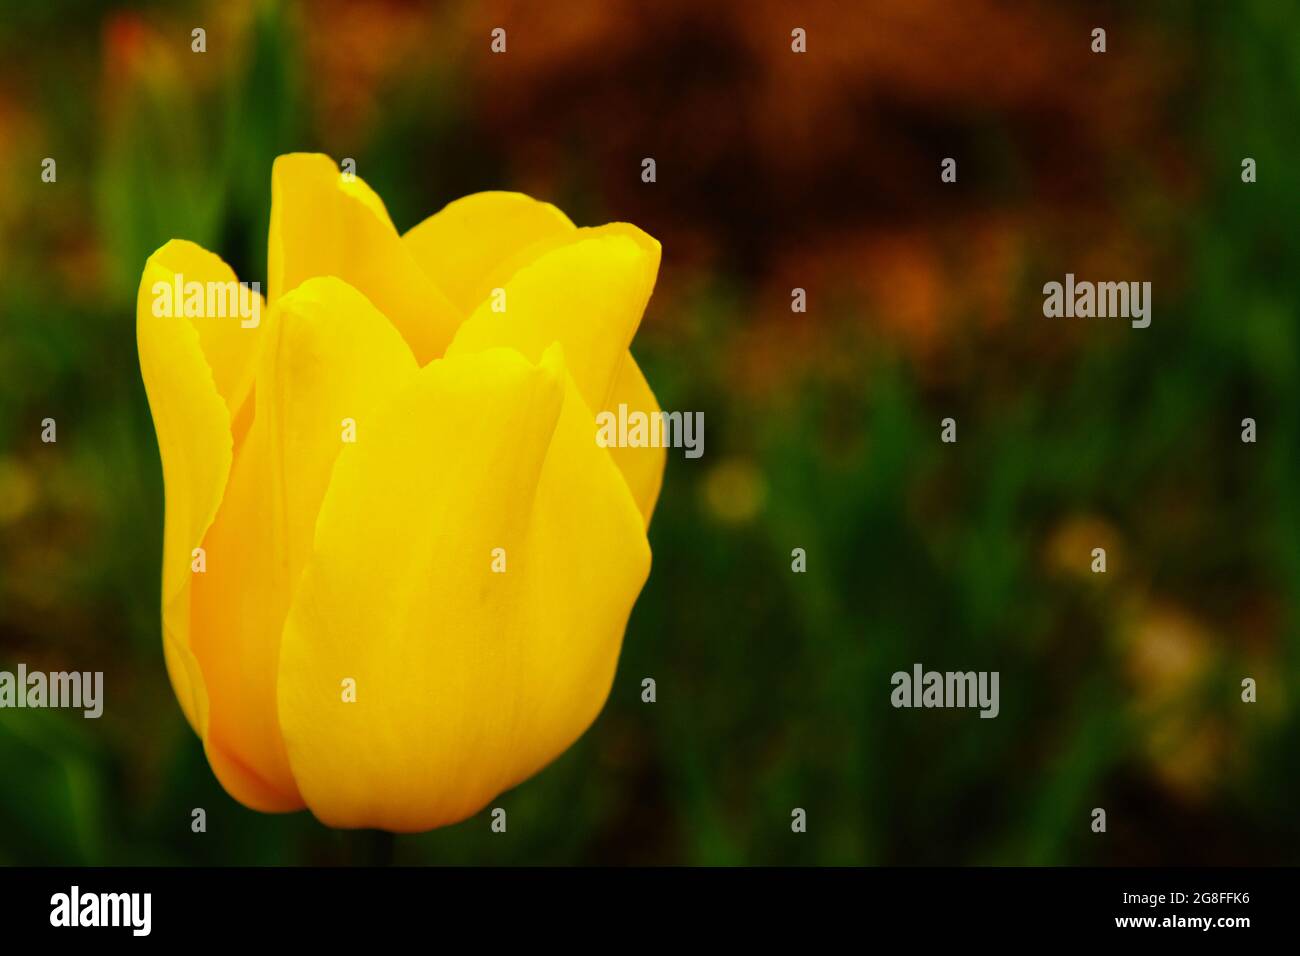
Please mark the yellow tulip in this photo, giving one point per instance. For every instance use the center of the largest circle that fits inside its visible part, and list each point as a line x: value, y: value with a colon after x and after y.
x: 397, y: 566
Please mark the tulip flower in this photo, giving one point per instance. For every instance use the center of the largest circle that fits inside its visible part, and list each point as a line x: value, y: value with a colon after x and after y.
x: 397, y: 566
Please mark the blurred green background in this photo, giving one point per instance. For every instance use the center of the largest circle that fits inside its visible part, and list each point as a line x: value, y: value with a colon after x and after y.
x: 819, y: 171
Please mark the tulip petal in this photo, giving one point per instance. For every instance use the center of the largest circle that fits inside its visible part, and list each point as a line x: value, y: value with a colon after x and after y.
x: 324, y: 225
x: 462, y: 245
x: 586, y: 290
x: 192, y: 422
x: 642, y: 468
x: 229, y: 340
x: 329, y: 356
x: 467, y: 680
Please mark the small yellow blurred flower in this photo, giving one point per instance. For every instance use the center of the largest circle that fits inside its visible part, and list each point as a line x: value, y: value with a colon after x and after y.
x: 734, y: 491
x: 17, y: 490
x: 1168, y: 653
x: 1072, y: 547
x: 1168, y: 658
